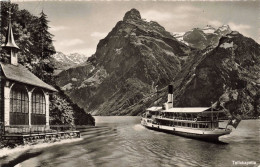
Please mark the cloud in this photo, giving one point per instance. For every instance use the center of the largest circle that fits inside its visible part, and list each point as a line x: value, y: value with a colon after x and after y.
x: 215, y: 23
x: 99, y: 35
x: 242, y: 28
x: 71, y: 42
x: 57, y: 28
x: 177, y: 19
x: 184, y: 9
x: 156, y: 15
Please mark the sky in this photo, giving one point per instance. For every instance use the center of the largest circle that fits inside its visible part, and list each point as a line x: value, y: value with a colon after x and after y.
x: 78, y: 26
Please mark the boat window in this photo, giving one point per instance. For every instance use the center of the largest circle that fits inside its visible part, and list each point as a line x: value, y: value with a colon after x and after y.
x: 201, y: 125
x: 149, y: 115
x: 206, y: 126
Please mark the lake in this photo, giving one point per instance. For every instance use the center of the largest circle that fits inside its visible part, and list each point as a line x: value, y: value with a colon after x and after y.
x: 123, y: 142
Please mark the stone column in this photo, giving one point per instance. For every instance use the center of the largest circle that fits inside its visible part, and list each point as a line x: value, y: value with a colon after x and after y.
x: 7, y: 91
x: 30, y: 107
x: 47, y: 108
x: 7, y: 105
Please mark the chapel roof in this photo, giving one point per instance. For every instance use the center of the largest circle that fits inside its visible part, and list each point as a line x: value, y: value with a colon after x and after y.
x: 22, y: 74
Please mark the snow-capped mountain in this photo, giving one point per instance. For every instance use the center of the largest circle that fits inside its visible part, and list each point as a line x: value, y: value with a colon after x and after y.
x: 201, y: 38
x: 179, y: 36
x: 73, y: 58
x: 223, y: 30
x: 208, y: 29
x: 63, y: 61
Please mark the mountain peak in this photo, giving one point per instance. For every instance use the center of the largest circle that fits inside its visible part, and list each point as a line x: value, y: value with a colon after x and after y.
x: 133, y: 14
x: 208, y: 29
x: 225, y: 25
x: 72, y: 58
x: 224, y: 29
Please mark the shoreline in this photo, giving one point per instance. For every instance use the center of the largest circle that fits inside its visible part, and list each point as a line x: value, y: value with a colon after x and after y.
x: 12, y: 141
x: 5, y: 151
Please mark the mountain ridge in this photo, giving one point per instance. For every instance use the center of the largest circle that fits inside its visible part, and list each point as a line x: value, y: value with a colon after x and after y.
x: 128, y: 60
x: 136, y: 61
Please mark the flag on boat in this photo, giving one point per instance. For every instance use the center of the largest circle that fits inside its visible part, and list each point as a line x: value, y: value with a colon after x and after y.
x: 234, y: 121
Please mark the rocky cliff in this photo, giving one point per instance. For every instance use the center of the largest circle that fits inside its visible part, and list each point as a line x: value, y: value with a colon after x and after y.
x: 137, y: 60
x: 227, y: 75
x: 134, y: 56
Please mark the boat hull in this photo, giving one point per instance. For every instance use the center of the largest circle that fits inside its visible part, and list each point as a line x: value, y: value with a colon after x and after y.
x: 210, y: 135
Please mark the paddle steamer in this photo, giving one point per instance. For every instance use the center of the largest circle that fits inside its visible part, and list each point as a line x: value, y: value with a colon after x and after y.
x: 193, y: 122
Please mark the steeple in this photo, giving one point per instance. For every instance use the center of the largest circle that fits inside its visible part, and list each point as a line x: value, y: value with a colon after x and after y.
x: 10, y: 44
x: 9, y: 41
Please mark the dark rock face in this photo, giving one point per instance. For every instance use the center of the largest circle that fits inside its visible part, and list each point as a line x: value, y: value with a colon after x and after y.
x: 134, y: 64
x: 227, y: 75
x: 135, y: 55
x: 196, y: 38
x: 133, y: 14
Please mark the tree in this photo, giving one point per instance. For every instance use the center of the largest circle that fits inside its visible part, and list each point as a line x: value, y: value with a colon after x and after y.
x: 45, y: 42
x: 36, y: 47
x: 33, y: 38
x: 45, y: 48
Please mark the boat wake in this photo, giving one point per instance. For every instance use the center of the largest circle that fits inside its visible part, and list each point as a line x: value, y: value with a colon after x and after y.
x: 20, y: 149
x: 138, y: 127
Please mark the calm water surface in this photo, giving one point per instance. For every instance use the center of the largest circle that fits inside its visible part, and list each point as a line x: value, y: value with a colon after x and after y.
x: 123, y: 142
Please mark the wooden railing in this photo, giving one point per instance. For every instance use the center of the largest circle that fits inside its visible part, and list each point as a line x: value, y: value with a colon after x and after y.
x: 63, y: 127
x: 26, y: 129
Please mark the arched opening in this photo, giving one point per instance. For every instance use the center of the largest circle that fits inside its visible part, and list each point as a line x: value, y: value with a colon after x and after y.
x: 38, y: 114
x: 19, y: 105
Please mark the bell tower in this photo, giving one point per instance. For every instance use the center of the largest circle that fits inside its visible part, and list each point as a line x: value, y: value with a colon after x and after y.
x: 10, y: 44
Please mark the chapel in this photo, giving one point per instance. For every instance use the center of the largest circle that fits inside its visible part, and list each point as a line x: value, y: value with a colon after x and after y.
x: 24, y: 98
